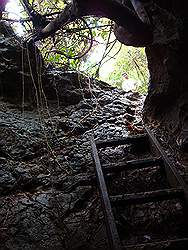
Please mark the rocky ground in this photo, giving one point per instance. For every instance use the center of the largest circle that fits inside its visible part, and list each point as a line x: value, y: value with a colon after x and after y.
x: 45, y: 153
x: 176, y: 154
x: 47, y: 200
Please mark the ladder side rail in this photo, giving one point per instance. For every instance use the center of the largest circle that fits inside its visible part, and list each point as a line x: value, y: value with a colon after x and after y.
x: 112, y: 233
x: 173, y: 177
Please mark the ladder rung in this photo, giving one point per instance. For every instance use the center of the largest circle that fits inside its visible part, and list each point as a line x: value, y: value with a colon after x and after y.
x: 132, y: 165
x: 122, y: 141
x: 177, y: 244
x: 153, y: 196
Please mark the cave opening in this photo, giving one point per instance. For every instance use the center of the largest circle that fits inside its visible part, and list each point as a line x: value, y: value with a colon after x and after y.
x: 127, y: 70
x: 108, y: 60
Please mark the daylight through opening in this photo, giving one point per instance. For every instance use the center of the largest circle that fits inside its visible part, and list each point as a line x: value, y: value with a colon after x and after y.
x: 88, y: 46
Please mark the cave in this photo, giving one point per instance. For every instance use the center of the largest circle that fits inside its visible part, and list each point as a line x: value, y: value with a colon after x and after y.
x: 50, y: 119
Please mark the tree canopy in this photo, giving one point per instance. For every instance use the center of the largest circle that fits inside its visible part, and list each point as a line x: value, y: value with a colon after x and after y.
x: 77, y: 41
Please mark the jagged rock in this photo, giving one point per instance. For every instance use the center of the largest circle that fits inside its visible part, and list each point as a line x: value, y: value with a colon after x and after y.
x: 42, y: 166
x: 67, y: 88
x: 18, y: 67
x: 7, y: 180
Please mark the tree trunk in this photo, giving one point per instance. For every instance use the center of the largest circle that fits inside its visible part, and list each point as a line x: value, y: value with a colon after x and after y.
x: 167, y: 99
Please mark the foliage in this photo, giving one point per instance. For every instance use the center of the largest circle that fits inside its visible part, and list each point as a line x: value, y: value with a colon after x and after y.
x: 133, y: 61
x: 66, y: 48
x: 73, y: 41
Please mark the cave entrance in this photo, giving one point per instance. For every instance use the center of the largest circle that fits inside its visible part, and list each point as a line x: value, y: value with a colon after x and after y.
x: 128, y: 69
x: 108, y: 60
x: 121, y: 66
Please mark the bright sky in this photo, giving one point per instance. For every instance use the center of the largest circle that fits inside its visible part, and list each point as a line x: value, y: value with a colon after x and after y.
x: 14, y: 13
x: 96, y: 56
x: 13, y: 7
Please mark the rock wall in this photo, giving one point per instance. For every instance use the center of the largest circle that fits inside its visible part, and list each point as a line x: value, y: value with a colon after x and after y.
x: 45, y: 154
x: 19, y: 67
x: 168, y: 90
x: 25, y: 79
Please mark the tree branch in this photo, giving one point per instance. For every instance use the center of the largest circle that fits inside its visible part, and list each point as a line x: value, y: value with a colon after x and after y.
x: 37, y: 19
x: 140, y: 33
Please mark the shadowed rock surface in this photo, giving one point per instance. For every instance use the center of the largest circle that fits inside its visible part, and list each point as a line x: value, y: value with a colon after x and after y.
x: 45, y: 154
x: 45, y: 151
